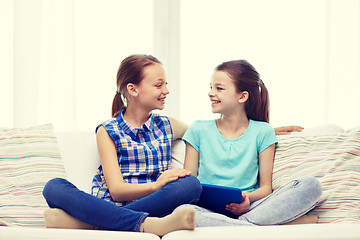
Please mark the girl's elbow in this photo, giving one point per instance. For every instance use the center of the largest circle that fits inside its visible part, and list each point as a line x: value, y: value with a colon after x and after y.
x: 266, y: 189
x: 121, y: 197
x: 269, y: 189
x: 117, y: 194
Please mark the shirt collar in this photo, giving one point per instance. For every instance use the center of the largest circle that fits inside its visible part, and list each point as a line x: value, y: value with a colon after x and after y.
x: 148, y: 126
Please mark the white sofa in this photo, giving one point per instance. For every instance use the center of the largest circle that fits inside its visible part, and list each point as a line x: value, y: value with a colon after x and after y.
x: 320, y: 152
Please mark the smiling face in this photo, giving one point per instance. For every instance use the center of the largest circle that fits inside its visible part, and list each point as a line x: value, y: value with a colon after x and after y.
x: 223, y: 95
x: 152, y: 89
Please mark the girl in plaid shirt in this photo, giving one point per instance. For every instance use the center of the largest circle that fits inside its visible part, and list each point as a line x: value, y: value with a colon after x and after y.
x: 134, y: 188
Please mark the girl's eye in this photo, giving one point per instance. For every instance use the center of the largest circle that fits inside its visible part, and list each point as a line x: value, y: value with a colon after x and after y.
x: 219, y: 88
x: 161, y: 84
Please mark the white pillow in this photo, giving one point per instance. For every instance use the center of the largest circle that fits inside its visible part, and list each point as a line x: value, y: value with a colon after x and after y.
x: 81, y: 159
x: 178, y: 154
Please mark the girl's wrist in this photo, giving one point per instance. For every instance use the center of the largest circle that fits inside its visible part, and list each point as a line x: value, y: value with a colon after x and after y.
x: 250, y: 197
x: 154, y: 186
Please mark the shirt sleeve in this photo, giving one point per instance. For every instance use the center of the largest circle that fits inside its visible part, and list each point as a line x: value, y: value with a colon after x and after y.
x: 193, y: 135
x: 267, y: 138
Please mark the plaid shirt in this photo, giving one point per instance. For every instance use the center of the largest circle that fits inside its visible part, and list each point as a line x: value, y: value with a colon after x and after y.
x: 143, y: 153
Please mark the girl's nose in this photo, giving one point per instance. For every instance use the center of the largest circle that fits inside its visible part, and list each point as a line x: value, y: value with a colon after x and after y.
x: 210, y: 94
x: 166, y: 90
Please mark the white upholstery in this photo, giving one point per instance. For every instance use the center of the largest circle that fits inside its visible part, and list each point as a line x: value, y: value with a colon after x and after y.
x: 79, y: 153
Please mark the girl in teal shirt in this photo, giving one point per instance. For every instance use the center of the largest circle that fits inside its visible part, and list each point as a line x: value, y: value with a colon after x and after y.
x: 238, y: 150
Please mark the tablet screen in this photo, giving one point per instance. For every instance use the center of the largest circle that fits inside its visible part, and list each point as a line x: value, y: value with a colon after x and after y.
x: 215, y: 198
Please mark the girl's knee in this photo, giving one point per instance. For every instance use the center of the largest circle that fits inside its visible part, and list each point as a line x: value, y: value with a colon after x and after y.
x: 193, y: 180
x: 190, y: 187
x: 311, y: 185
x: 311, y: 182
x: 52, y: 186
x: 194, y: 183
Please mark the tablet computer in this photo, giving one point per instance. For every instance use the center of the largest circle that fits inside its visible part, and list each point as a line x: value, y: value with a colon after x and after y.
x: 215, y: 198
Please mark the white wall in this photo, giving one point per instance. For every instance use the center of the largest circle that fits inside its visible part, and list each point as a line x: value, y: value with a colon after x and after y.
x: 344, y: 63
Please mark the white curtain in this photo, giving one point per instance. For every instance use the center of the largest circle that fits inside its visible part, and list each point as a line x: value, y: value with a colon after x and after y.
x: 43, y: 70
x: 59, y: 58
x: 6, y: 63
x: 62, y: 56
x: 42, y: 79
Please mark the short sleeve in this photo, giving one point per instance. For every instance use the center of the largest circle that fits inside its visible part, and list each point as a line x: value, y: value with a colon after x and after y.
x: 266, y: 137
x: 193, y: 135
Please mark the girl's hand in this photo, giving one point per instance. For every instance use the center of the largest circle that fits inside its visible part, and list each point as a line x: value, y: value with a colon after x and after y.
x: 169, y: 176
x: 287, y: 130
x: 239, y: 208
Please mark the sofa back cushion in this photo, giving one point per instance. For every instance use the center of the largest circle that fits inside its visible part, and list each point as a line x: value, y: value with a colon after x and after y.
x: 29, y: 157
x: 81, y: 159
x: 333, y: 157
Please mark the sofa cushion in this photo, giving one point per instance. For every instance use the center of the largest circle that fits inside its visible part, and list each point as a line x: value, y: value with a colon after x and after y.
x: 333, y: 157
x: 80, y: 156
x: 177, y: 154
x: 29, y: 157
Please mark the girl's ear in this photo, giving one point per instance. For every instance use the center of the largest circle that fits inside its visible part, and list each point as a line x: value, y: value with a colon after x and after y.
x: 244, y: 96
x: 131, y: 88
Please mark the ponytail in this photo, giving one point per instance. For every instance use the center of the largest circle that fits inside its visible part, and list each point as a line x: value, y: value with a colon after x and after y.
x: 263, y: 108
x: 117, y: 105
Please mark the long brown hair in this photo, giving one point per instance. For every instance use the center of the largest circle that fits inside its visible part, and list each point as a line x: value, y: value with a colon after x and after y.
x: 246, y: 78
x: 130, y: 71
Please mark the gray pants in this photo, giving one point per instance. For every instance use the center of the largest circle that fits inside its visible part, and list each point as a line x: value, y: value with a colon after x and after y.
x: 283, y: 205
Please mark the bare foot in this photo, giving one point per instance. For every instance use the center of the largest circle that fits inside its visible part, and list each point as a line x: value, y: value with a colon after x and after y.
x: 57, y: 218
x: 181, y: 219
x: 305, y: 219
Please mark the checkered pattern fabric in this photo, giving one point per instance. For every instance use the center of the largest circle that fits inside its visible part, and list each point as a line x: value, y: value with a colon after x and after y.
x: 143, y: 153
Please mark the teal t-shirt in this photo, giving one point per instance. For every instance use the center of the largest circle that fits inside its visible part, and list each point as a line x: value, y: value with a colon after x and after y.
x: 229, y: 162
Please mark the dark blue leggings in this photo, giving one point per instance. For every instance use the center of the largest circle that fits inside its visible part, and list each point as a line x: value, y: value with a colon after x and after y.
x: 60, y: 193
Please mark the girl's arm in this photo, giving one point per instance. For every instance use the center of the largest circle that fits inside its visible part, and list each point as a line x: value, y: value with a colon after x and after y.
x: 179, y: 128
x: 191, y: 159
x: 266, y: 163
x: 119, y: 190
